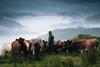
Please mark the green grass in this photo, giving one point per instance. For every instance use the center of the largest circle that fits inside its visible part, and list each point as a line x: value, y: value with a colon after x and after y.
x: 59, y: 60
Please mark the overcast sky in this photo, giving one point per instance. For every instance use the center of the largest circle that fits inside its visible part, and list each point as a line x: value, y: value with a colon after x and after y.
x: 40, y: 16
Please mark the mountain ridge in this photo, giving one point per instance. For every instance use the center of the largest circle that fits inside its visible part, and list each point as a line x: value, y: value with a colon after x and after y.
x: 72, y: 32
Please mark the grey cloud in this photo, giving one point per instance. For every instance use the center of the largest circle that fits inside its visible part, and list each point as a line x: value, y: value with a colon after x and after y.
x: 7, y: 22
x: 94, y: 19
x: 59, y: 7
x: 79, y: 1
x: 71, y: 8
x: 16, y: 14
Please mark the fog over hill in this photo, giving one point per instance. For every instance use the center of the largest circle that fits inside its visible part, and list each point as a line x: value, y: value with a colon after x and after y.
x: 72, y: 32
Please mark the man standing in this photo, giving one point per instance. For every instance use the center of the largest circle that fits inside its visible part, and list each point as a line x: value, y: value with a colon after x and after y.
x: 51, y: 42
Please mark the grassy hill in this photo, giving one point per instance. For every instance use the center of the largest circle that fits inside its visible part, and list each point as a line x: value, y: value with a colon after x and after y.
x: 86, y: 36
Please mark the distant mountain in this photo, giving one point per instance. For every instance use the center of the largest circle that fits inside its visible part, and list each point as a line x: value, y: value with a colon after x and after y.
x: 72, y: 32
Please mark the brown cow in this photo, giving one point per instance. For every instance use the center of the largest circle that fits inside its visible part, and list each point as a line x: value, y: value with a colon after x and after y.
x: 85, y: 44
x: 15, y: 47
x: 29, y: 44
x: 45, y: 46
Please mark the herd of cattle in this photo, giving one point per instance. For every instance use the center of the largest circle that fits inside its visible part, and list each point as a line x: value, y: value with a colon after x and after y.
x: 35, y: 46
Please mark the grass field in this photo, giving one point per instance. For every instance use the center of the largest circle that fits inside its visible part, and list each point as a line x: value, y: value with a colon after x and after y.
x: 59, y: 60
